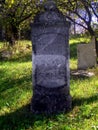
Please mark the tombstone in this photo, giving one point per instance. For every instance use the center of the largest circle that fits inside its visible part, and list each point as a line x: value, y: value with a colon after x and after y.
x: 50, y: 35
x: 86, y: 55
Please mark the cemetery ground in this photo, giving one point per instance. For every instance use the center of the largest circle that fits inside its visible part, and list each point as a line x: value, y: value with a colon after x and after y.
x: 16, y: 93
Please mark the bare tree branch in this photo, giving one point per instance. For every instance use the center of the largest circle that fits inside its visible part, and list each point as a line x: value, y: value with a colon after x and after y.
x: 72, y: 20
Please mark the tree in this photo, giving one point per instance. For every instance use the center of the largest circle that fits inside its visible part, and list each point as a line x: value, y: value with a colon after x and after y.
x: 14, y: 13
x: 18, y: 13
x: 80, y: 12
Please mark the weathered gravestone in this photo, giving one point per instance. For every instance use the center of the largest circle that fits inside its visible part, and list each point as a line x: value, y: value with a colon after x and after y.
x: 50, y: 34
x: 86, y: 55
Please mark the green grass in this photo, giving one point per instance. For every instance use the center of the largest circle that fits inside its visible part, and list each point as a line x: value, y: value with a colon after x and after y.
x: 16, y: 93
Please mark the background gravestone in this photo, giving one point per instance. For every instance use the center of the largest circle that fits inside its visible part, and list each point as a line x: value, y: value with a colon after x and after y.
x: 50, y: 35
x: 86, y: 55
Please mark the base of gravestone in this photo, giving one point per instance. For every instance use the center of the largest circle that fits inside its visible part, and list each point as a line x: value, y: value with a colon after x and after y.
x: 51, y: 101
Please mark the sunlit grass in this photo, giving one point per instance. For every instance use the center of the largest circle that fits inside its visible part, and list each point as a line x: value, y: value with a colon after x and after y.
x: 1, y: 44
x: 73, y: 64
x: 16, y: 93
x: 80, y: 39
x: 15, y: 85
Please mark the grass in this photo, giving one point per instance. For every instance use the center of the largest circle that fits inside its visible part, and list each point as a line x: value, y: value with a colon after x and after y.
x: 16, y: 93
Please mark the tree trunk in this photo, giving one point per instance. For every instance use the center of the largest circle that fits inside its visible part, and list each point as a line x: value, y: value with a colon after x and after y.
x: 11, y: 34
x: 74, y: 27
x: 91, y: 31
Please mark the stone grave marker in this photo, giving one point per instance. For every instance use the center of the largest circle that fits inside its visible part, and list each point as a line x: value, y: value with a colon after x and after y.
x: 86, y: 55
x: 51, y: 75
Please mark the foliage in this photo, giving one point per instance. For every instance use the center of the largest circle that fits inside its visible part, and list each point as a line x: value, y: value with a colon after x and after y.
x: 16, y: 94
x: 80, y: 12
x: 18, y: 14
x: 14, y: 13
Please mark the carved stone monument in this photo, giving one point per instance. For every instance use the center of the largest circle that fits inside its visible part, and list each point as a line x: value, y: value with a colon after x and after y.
x: 86, y: 55
x: 51, y: 75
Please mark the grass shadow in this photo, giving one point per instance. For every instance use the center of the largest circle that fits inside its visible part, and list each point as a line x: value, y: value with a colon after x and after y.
x: 73, y: 51
x: 23, y: 118
x: 2, y: 72
x: 10, y: 83
x: 88, y: 100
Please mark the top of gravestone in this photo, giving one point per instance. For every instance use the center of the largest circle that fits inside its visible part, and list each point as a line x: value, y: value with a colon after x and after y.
x: 50, y: 16
x: 50, y: 5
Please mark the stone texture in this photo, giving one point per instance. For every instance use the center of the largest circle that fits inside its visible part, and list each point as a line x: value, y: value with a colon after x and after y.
x: 82, y: 74
x: 50, y: 35
x: 86, y: 55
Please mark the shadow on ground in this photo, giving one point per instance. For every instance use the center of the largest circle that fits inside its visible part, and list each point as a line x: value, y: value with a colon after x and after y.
x: 73, y: 51
x: 81, y: 101
x: 24, y: 119
x: 22, y: 58
x: 10, y: 83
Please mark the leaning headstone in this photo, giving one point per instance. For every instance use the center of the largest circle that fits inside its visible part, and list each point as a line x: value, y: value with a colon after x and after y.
x: 86, y: 55
x: 50, y: 35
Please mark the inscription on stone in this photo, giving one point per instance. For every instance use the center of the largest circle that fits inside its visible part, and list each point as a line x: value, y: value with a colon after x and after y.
x: 50, y: 44
x: 50, y: 70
